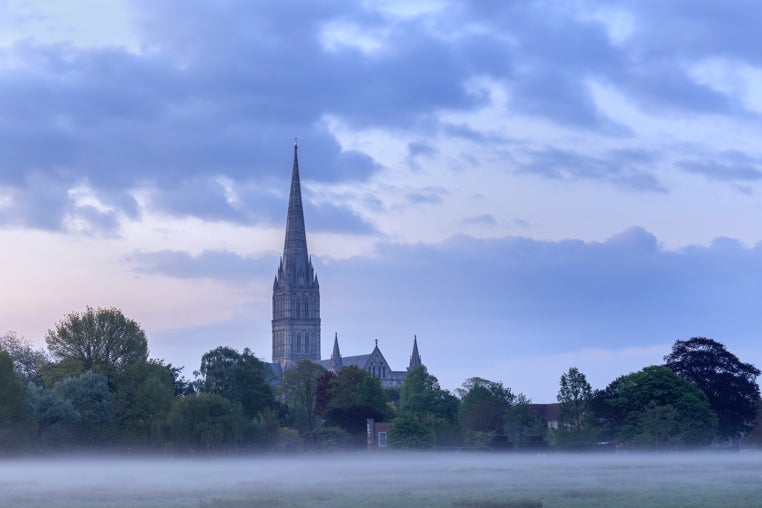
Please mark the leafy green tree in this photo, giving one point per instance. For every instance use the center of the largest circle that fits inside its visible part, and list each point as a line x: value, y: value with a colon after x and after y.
x: 239, y: 377
x: 11, y: 395
x: 323, y: 392
x: 352, y: 397
x: 407, y: 431
x: 11, y: 391
x: 143, y: 396
x: 101, y: 340
x: 436, y: 409
x: 203, y: 422
x: 523, y: 427
x: 27, y: 361
x: 575, y: 419
x: 89, y: 396
x: 299, y: 386
x: 484, y: 406
x: 656, y: 408
x: 52, y: 421
x: 729, y: 384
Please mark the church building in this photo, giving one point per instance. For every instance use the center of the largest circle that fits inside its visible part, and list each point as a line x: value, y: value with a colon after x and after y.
x: 296, y: 307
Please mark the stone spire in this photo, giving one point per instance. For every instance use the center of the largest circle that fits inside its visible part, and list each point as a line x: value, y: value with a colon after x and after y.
x: 295, y: 256
x: 336, y: 364
x: 296, y: 292
x: 415, y: 358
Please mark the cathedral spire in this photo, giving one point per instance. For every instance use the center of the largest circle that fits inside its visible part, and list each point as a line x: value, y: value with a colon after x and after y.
x: 296, y: 294
x: 295, y: 246
x: 336, y: 364
x: 415, y: 358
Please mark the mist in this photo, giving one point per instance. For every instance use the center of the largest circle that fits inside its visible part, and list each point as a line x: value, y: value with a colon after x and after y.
x: 388, y: 479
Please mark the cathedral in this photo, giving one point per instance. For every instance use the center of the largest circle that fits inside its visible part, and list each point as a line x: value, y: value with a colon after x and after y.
x: 296, y: 307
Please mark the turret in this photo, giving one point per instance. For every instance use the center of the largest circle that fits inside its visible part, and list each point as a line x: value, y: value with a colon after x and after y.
x: 415, y: 358
x: 336, y: 364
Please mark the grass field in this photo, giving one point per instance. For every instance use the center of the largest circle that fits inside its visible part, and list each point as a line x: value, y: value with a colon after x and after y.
x: 389, y: 479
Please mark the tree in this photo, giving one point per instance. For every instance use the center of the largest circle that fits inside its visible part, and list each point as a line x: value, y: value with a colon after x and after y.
x: 407, y: 431
x: 88, y: 394
x: 484, y: 406
x: 656, y: 408
x: 205, y: 421
x: 11, y: 392
x: 729, y: 384
x: 436, y: 409
x: 523, y: 427
x: 101, y: 340
x: 352, y: 397
x: 142, y: 397
x: 575, y: 420
x: 239, y: 377
x: 26, y: 361
x: 299, y: 387
x: 51, y: 420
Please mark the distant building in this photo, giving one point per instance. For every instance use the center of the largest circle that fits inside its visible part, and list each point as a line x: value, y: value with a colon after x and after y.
x: 296, y: 307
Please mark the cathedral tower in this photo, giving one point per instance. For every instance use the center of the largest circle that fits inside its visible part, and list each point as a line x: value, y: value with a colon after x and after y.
x: 296, y: 292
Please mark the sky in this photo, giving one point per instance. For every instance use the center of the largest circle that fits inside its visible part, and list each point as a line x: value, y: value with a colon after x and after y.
x: 525, y: 186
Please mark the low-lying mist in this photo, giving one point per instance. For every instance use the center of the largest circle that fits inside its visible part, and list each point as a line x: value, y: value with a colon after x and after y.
x: 388, y: 479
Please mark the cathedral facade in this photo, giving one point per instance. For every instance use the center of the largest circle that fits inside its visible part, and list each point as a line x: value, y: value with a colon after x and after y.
x: 296, y: 306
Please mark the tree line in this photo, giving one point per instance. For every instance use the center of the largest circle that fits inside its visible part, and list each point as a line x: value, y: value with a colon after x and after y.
x: 96, y: 387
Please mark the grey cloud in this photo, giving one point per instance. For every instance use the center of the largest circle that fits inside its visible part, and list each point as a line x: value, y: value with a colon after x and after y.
x: 481, y: 220
x: 623, y: 168
x: 623, y: 292
x: 221, y: 265
x: 327, y: 217
x: 726, y: 171
x: 220, y: 87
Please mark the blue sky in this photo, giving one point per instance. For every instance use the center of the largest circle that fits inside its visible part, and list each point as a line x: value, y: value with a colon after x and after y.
x: 526, y: 186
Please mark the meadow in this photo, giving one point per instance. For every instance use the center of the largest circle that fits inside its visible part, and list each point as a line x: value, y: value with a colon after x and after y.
x: 456, y: 479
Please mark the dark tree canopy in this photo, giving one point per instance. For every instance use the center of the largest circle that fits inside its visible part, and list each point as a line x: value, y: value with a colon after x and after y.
x: 11, y: 391
x: 407, y: 431
x: 483, y: 413
x: 435, y: 408
x: 656, y: 408
x: 143, y: 396
x: 729, y: 384
x: 421, y: 395
x: 352, y: 397
x: 575, y: 419
x: 205, y: 421
x: 299, y: 386
x: 88, y: 394
x: 101, y: 340
x: 26, y: 361
x: 239, y: 377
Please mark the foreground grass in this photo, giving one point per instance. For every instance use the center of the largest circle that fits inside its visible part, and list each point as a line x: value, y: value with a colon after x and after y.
x: 385, y: 479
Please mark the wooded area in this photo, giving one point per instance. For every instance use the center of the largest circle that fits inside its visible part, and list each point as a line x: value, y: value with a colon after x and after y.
x: 96, y: 388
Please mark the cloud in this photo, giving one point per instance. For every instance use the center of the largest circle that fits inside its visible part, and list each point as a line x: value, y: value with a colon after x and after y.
x: 623, y: 168
x: 481, y: 220
x: 626, y: 291
x: 729, y: 166
x: 220, y: 265
x: 213, y: 89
